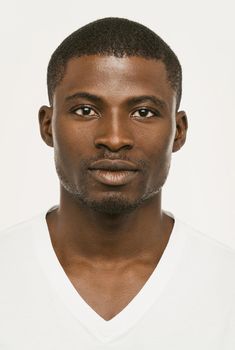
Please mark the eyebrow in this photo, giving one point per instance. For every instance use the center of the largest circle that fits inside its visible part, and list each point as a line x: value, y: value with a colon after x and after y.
x: 147, y: 98
x: 131, y: 101
x: 86, y: 95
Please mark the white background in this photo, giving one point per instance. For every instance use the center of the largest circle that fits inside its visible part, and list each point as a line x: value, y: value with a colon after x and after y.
x: 200, y: 189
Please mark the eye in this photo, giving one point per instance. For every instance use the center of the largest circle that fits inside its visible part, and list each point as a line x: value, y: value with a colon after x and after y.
x: 85, y: 111
x: 145, y: 113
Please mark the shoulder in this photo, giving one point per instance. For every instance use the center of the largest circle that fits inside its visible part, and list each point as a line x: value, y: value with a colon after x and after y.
x: 205, y: 254
x: 18, y: 238
x: 204, y: 239
x: 201, y: 253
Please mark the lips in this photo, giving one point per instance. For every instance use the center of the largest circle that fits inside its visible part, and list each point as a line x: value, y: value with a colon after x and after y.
x: 113, y: 165
x: 113, y: 172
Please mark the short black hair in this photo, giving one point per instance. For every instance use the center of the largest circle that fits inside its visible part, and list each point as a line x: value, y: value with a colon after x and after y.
x: 118, y: 37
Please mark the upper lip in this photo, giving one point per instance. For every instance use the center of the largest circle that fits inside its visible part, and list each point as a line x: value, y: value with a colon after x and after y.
x: 113, y: 165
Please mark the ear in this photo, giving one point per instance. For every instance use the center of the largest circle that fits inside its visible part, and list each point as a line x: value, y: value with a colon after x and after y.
x: 45, y: 122
x: 181, y: 130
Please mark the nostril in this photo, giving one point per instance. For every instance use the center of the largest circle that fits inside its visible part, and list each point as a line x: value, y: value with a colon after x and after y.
x: 114, y: 143
x: 113, y: 147
x: 114, y: 133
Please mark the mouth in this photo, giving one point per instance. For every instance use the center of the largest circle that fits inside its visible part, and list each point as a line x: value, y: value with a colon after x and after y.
x: 113, y: 177
x: 113, y: 172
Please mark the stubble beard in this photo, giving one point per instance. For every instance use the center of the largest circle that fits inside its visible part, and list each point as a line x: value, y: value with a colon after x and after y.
x: 112, y: 203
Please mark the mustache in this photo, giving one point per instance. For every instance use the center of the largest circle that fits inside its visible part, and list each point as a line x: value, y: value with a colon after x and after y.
x: 141, y: 164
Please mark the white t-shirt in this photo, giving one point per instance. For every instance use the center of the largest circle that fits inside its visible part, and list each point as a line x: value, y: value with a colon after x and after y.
x: 188, y: 303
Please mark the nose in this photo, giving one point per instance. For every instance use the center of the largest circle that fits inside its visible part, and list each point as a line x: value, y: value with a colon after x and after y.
x: 113, y: 133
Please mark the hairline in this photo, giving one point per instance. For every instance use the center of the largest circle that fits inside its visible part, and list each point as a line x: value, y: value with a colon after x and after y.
x: 63, y: 67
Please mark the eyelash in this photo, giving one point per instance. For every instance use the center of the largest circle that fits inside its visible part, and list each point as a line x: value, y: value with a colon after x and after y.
x: 155, y: 113
x: 83, y: 107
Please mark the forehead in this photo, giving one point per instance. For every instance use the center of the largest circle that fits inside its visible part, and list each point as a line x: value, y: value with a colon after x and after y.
x: 112, y: 76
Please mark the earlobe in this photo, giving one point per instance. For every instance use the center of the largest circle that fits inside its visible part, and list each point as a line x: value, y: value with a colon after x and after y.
x: 181, y: 130
x: 45, y: 123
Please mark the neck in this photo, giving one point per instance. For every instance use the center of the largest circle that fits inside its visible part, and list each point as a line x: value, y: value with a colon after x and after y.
x: 78, y: 232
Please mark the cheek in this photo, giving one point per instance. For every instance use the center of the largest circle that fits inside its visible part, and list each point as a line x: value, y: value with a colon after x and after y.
x: 70, y: 141
x: 160, y: 142
x: 159, y: 152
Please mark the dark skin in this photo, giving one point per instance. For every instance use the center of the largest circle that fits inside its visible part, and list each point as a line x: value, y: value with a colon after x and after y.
x: 109, y: 237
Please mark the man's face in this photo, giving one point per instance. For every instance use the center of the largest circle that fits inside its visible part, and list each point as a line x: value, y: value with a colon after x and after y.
x: 113, y: 126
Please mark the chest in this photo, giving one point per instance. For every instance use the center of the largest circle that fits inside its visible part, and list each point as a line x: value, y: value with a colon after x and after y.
x: 109, y: 291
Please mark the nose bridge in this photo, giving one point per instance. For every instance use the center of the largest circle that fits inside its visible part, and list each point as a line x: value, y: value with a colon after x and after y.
x: 114, y: 131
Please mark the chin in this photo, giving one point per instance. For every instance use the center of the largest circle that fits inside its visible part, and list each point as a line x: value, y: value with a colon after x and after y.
x: 112, y: 204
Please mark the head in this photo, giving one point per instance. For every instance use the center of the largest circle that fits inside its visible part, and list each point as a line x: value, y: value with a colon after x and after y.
x: 114, y: 88
x: 116, y: 37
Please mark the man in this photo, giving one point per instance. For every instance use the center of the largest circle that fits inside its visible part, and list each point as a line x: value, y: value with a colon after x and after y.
x: 108, y: 268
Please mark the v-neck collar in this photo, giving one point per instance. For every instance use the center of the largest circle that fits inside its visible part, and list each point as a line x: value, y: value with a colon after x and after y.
x: 104, y: 330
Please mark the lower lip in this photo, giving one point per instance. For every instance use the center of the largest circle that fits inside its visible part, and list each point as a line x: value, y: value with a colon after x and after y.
x: 113, y: 178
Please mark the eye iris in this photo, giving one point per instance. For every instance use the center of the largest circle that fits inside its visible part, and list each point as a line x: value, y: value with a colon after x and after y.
x: 143, y: 112
x: 86, y: 110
